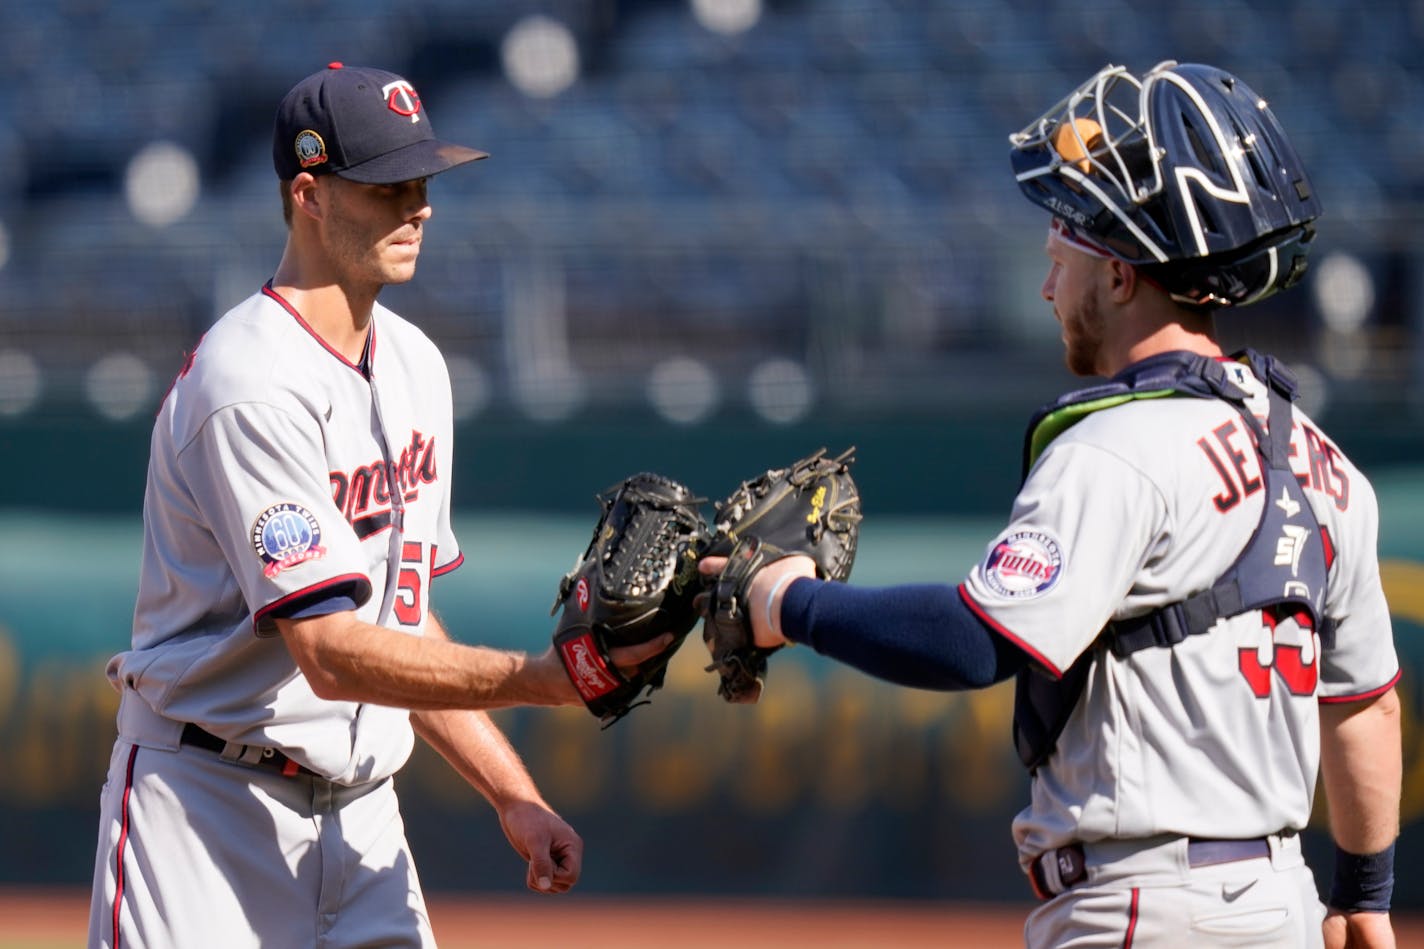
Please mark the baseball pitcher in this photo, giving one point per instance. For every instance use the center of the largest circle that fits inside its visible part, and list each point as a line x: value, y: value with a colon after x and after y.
x: 285, y: 652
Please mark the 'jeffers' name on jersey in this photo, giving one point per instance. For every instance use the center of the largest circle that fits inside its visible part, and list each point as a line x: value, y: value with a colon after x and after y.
x: 1229, y: 449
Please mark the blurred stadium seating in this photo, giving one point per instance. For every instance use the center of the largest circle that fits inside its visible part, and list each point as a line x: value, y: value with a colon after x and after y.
x: 720, y: 183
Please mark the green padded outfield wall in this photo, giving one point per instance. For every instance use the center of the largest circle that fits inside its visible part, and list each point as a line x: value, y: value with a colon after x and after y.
x: 835, y: 784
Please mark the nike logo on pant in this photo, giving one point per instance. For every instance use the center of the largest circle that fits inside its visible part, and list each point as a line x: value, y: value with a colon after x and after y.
x: 1231, y: 896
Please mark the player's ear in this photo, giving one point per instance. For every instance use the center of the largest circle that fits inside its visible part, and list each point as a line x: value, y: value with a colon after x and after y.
x: 306, y: 196
x: 1122, y: 280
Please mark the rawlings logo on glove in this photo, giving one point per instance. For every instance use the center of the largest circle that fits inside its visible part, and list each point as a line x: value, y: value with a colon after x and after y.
x: 591, y: 675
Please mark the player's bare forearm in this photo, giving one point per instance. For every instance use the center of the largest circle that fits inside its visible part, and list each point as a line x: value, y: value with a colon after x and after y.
x: 1361, y: 767
x: 477, y: 750
x: 474, y: 744
x: 345, y: 659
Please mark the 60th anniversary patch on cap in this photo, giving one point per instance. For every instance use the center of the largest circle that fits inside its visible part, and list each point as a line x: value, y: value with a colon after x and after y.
x: 311, y: 150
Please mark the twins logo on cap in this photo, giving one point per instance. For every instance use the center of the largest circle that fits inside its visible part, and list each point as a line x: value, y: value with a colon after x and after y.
x: 402, y: 99
x: 1024, y: 564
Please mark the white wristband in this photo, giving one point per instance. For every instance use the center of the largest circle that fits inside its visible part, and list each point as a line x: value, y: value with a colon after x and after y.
x: 775, y: 587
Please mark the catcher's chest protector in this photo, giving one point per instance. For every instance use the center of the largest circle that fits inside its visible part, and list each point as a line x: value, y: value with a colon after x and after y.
x: 1278, y: 569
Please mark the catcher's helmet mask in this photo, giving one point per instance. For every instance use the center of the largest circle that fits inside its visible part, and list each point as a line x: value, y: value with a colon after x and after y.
x: 1184, y: 171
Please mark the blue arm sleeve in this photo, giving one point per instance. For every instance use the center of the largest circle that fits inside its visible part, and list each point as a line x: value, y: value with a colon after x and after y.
x: 922, y: 636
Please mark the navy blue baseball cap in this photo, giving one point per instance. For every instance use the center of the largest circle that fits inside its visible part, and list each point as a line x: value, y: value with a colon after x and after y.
x: 366, y: 125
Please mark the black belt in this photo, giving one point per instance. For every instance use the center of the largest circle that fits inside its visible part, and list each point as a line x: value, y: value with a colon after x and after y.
x: 261, y: 757
x: 1072, y: 866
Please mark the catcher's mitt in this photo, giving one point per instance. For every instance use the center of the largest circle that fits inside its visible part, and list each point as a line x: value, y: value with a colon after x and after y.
x: 812, y: 508
x: 636, y: 581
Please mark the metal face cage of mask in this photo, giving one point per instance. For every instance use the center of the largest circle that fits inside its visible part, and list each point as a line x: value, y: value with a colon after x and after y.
x: 1184, y: 171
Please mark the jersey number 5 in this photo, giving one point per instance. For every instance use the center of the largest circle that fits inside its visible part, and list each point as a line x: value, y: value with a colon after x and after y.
x: 409, y: 583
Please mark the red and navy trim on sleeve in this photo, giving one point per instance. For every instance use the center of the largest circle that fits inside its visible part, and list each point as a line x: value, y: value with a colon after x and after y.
x: 449, y: 567
x: 355, y: 585
x: 1003, y: 631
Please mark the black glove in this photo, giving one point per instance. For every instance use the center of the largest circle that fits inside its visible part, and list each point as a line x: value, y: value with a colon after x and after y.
x: 812, y: 508
x: 636, y: 581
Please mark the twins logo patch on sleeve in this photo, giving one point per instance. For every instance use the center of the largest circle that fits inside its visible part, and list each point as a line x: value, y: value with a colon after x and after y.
x: 1023, y: 565
x: 285, y: 535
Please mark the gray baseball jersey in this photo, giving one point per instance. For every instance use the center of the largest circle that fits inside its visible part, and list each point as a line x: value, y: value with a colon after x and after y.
x: 1137, y: 507
x: 281, y: 475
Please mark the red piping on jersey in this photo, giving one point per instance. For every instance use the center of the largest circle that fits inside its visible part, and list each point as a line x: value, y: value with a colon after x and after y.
x: 371, y: 340
x: 1363, y: 696
x: 441, y: 571
x: 123, y: 841
x: 1033, y: 654
x: 1132, y: 914
x: 307, y: 591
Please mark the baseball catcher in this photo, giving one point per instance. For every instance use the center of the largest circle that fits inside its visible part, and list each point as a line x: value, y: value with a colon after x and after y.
x: 635, y: 582
x: 811, y: 508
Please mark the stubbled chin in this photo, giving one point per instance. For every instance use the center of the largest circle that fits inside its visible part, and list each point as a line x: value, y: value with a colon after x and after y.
x: 399, y: 272
x: 401, y: 260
